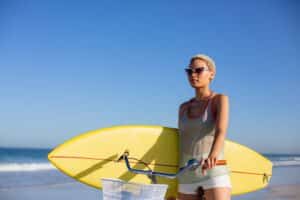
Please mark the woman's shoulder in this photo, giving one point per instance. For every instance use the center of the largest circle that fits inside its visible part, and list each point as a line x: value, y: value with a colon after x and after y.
x: 219, y: 98
x: 184, y: 106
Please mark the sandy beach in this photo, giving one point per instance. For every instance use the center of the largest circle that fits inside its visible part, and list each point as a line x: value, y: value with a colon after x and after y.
x: 283, y: 192
x: 78, y: 191
x: 284, y: 185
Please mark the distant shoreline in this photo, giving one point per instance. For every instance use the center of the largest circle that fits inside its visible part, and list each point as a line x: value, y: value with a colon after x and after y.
x: 50, y: 148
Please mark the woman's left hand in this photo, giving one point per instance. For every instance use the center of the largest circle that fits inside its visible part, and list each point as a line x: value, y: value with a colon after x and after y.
x: 208, y: 163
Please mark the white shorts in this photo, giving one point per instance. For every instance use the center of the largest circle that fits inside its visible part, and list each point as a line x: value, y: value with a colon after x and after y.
x: 215, y: 182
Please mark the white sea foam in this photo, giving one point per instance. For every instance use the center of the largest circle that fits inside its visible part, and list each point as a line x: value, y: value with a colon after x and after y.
x: 291, y: 161
x: 15, y: 167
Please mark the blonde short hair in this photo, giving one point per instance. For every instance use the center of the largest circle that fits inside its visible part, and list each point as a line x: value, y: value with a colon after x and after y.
x: 209, y: 61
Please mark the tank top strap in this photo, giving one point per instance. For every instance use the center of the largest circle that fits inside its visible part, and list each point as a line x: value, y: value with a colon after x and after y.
x: 208, y: 113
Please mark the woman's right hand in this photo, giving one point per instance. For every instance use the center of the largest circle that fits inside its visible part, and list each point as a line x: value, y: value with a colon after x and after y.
x: 204, y: 166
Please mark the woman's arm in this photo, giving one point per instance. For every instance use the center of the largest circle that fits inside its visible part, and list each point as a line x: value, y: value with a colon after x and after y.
x: 222, y: 115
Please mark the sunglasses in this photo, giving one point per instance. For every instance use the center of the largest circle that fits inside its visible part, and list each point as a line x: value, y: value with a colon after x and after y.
x: 198, y: 70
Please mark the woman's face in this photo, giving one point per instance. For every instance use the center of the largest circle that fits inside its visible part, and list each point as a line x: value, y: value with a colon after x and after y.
x: 200, y: 75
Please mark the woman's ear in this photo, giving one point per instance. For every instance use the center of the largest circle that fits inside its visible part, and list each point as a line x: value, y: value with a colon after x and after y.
x: 212, y: 76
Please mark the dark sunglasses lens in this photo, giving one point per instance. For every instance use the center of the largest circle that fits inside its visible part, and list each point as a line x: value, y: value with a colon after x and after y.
x: 189, y: 71
x: 199, y: 70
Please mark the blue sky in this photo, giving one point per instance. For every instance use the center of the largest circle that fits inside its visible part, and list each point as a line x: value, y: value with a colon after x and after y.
x: 72, y: 66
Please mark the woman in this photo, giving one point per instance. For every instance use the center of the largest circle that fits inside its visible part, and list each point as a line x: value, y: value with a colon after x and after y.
x: 202, y: 128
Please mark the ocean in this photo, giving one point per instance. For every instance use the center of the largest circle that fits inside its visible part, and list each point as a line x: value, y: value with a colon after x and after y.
x: 27, y: 169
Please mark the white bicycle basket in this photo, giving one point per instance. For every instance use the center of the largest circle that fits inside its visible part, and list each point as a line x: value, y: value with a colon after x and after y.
x: 116, y: 189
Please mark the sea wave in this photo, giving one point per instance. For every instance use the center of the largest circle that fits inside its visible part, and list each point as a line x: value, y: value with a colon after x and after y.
x: 16, y: 167
x: 286, y: 161
x: 14, y: 187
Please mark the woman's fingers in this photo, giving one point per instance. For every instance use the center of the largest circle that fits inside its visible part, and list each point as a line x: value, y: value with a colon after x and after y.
x: 204, y: 166
x: 202, y: 161
x: 208, y: 163
x: 212, y: 162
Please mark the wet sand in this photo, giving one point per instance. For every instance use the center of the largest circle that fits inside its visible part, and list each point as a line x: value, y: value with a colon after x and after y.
x: 284, y: 185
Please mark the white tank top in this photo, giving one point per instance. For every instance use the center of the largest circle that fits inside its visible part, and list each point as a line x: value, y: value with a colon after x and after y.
x: 196, y: 136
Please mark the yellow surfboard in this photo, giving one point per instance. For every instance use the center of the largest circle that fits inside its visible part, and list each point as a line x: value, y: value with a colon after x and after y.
x: 94, y: 155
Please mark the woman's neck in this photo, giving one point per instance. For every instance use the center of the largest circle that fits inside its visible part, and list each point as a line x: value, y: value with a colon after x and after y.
x: 202, y: 93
